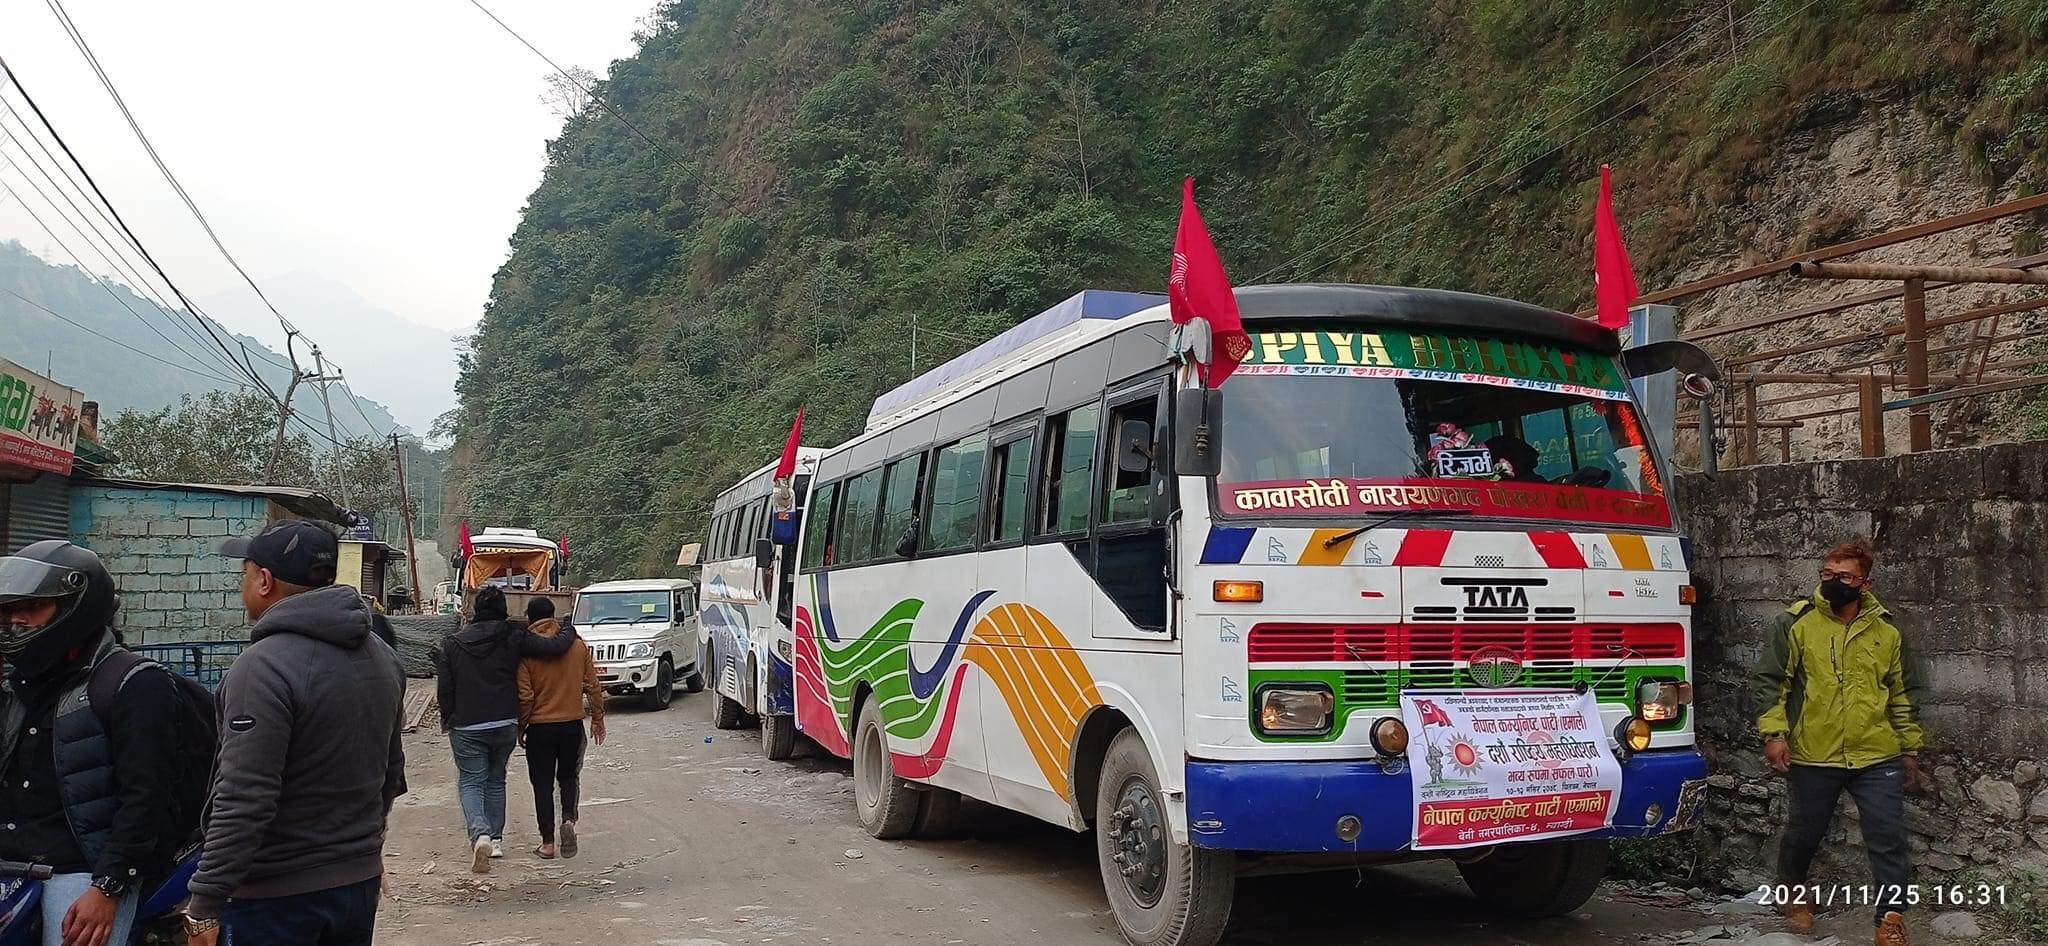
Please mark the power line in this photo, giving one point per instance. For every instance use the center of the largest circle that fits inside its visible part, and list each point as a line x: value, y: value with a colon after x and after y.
x: 564, y: 73
x: 90, y: 331
x: 146, y: 255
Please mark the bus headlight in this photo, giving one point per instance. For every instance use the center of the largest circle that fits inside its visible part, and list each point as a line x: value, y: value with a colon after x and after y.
x: 1295, y: 708
x: 639, y: 649
x: 1633, y: 734
x: 1390, y: 736
x: 1661, y: 700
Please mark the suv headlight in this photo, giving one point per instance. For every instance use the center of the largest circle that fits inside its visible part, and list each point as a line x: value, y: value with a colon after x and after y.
x: 639, y: 649
x: 1661, y: 701
x: 1295, y: 708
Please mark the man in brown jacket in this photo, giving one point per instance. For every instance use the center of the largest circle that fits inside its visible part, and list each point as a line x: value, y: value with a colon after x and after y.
x: 552, y: 698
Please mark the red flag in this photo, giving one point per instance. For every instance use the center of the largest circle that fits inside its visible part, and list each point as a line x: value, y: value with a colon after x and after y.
x: 468, y: 548
x: 1197, y: 288
x: 564, y: 543
x: 1614, y: 280
x: 1432, y: 715
x: 787, y: 467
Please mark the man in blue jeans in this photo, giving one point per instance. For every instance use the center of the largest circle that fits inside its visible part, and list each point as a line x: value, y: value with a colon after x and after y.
x: 310, y: 760
x: 477, y: 670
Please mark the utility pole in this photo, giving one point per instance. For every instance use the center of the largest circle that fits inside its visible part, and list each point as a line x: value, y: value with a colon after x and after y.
x: 412, y: 553
x: 284, y: 408
x: 320, y: 376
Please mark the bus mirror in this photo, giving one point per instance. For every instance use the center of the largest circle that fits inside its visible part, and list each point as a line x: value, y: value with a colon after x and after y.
x: 1683, y: 357
x: 1198, y: 432
x: 764, y: 553
x: 1134, y: 446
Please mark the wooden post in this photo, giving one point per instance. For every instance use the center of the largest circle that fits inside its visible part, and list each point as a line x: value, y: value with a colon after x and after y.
x: 1920, y: 420
x: 1784, y: 445
x: 1870, y: 399
x: 412, y: 552
x: 1750, y: 427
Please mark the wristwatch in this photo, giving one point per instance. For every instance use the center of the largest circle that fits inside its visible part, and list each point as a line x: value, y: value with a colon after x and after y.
x: 113, y: 887
x: 195, y: 926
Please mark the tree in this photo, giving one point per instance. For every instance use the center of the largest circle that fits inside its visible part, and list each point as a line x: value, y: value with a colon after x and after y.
x: 568, y: 95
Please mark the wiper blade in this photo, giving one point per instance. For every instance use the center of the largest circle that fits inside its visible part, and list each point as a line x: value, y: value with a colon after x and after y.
x: 1349, y: 534
x: 613, y: 620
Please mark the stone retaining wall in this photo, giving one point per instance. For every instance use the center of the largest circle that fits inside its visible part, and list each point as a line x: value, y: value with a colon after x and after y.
x: 1959, y: 537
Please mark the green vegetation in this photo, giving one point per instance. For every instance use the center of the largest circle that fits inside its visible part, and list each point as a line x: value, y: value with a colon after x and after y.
x: 830, y: 175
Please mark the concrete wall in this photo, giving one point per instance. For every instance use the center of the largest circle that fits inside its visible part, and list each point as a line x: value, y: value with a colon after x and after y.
x: 1958, y: 535
x: 163, y: 548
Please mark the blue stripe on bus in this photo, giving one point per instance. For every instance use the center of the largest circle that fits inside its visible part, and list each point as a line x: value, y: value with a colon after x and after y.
x: 824, y: 599
x: 923, y: 683
x: 1294, y: 806
x: 1226, y: 545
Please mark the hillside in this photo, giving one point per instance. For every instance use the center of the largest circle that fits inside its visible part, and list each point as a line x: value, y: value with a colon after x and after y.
x: 111, y: 366
x: 824, y: 177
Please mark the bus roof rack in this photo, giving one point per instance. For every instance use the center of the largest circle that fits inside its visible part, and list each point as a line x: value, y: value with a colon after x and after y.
x: 1108, y: 304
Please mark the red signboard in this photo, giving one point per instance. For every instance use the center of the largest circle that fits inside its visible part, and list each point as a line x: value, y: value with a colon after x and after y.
x: 38, y: 420
x: 1341, y: 495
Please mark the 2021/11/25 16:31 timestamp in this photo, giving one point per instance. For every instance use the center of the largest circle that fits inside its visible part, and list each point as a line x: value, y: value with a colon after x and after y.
x: 1936, y: 895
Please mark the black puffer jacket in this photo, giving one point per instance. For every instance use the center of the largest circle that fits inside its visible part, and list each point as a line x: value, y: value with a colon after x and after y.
x: 477, y: 668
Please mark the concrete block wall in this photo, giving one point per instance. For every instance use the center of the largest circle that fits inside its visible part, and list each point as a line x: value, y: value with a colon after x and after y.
x: 163, y: 549
x: 1958, y: 536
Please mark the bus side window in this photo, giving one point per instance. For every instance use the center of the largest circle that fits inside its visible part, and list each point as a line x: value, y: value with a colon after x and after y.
x: 955, y: 495
x: 899, y: 504
x: 817, y: 532
x: 1069, y: 470
x: 1010, y: 498
x: 854, y: 542
x: 1127, y: 494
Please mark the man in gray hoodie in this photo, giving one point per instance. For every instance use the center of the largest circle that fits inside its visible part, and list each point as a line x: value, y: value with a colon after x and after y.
x: 310, y: 759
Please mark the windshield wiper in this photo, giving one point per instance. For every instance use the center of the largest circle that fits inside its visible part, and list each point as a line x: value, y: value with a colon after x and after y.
x: 1349, y: 534
x: 613, y: 619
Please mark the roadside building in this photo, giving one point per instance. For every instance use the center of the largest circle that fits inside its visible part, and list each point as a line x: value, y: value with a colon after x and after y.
x: 48, y: 440
x: 368, y: 563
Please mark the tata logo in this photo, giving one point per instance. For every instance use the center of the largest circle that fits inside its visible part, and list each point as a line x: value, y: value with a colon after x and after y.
x: 1495, y: 667
x: 1496, y: 596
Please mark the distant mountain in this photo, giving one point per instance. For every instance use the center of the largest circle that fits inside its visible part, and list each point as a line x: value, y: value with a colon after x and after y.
x: 410, y: 366
x: 164, y: 358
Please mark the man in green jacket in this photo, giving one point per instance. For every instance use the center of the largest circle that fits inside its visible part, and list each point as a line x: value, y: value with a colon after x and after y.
x: 1838, y: 690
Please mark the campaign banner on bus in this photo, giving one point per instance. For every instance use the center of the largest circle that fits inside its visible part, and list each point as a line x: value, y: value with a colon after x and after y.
x: 1507, y: 765
x: 1346, y: 495
x: 38, y: 420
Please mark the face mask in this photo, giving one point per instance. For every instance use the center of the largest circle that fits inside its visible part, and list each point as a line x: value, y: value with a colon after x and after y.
x: 1839, y: 593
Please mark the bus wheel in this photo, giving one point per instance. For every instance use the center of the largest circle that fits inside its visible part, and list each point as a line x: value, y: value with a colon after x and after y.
x: 1537, y: 878
x: 658, y: 696
x: 778, y: 736
x: 1162, y: 893
x: 726, y: 713
x: 888, y: 805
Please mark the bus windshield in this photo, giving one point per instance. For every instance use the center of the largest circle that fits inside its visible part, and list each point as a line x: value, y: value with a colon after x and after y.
x: 1332, y: 423
x: 621, y: 607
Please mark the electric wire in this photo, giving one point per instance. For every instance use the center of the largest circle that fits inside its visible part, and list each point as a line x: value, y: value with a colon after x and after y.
x: 89, y: 330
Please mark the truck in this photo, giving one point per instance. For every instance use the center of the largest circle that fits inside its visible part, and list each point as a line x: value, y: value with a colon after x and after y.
x: 518, y: 561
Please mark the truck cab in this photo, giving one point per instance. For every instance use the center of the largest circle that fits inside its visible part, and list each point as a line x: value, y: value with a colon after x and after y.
x: 643, y: 635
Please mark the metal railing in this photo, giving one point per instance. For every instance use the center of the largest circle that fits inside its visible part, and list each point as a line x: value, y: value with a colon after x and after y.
x: 204, y: 661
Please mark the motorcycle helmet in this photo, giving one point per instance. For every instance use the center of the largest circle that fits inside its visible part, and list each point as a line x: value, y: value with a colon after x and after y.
x: 56, y: 571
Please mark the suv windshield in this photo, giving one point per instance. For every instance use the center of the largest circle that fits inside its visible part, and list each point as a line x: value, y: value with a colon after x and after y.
x: 620, y: 607
x: 1330, y: 423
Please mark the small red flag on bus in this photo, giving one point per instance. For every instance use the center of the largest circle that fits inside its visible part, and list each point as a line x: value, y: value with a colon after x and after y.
x: 1614, y: 279
x: 563, y: 542
x: 468, y: 548
x: 1198, y: 288
x: 787, y: 467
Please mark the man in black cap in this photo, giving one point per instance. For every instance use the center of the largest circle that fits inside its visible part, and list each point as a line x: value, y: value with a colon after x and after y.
x: 310, y: 760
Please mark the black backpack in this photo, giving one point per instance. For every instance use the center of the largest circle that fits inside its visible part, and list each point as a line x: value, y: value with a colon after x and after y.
x: 198, y: 734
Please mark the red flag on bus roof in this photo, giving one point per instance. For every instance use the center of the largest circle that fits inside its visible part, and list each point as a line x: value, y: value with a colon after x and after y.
x: 564, y: 544
x: 1198, y: 288
x: 468, y: 548
x: 787, y: 467
x: 1614, y: 279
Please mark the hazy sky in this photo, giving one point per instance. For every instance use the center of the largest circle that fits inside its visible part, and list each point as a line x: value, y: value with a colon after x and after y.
x: 385, y: 144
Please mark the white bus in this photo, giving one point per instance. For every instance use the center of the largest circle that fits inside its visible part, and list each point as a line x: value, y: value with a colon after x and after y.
x: 1419, y: 533
x: 745, y: 586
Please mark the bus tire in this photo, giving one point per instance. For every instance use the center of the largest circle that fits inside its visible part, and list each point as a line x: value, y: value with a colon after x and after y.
x: 726, y: 713
x: 1534, y: 879
x: 1161, y: 893
x: 778, y: 736
x: 939, y: 817
x: 887, y: 803
x: 658, y: 696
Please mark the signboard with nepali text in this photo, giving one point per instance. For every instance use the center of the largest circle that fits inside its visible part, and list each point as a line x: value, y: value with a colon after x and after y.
x: 1436, y: 357
x: 38, y: 420
x: 1347, y: 495
x: 1507, y: 765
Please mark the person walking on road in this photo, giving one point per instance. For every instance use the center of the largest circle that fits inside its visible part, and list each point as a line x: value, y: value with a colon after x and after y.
x: 310, y: 758
x: 555, y: 694
x: 94, y: 748
x: 1840, y: 692
x: 478, y: 679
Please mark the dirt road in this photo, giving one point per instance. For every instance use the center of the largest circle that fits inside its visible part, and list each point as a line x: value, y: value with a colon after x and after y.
x: 689, y: 843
